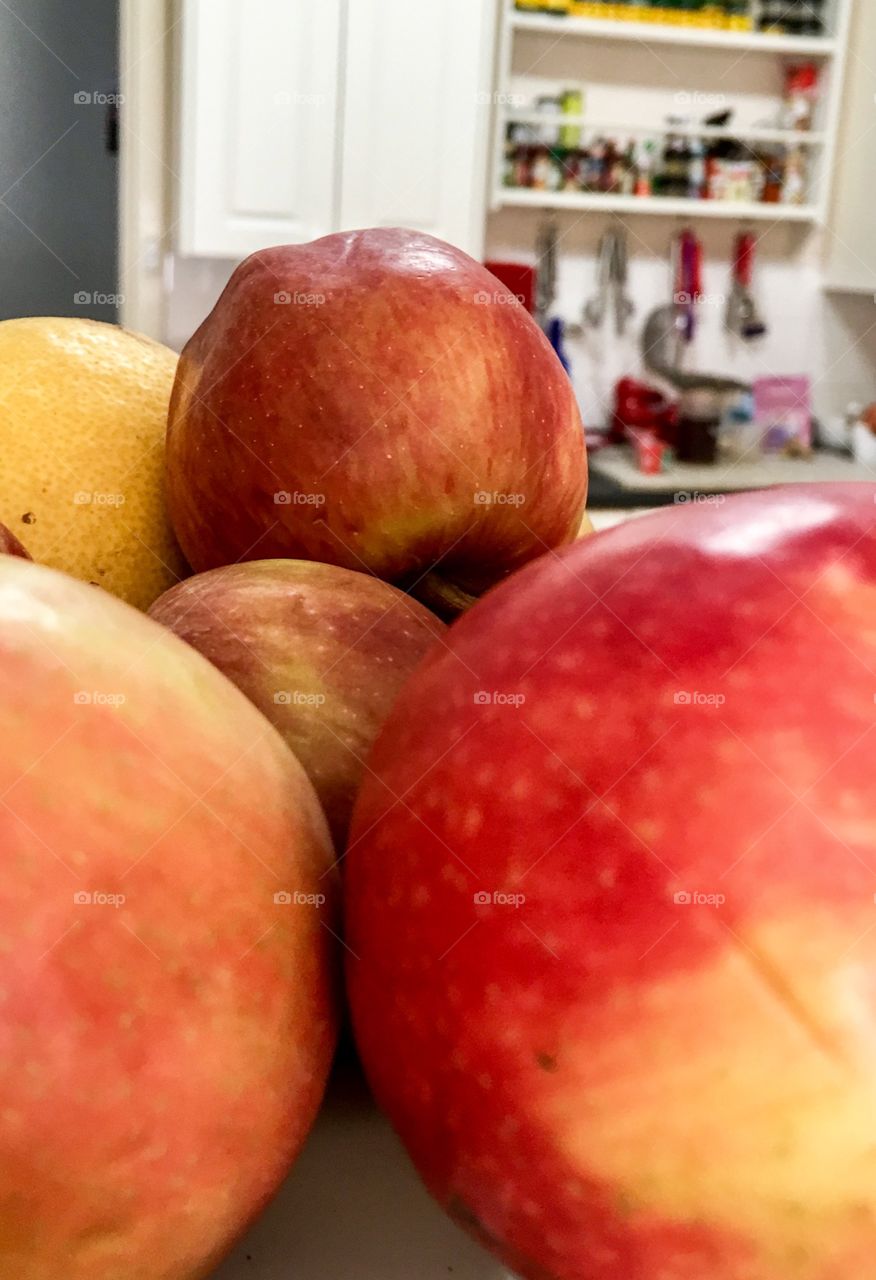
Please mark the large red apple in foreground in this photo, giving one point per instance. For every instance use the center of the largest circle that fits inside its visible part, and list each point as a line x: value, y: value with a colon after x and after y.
x: 166, y: 998
x: 9, y: 544
x: 321, y: 651
x: 611, y: 902
x: 377, y: 400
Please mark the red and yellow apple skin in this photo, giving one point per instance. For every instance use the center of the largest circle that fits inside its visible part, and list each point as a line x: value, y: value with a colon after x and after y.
x: 377, y: 400
x: 612, y: 928
x: 9, y: 544
x: 166, y: 1027
x: 321, y: 651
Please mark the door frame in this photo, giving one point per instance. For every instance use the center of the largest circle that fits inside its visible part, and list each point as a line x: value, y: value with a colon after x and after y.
x: 147, y: 51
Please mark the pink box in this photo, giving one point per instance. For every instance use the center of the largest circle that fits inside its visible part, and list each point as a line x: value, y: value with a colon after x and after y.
x: 783, y: 411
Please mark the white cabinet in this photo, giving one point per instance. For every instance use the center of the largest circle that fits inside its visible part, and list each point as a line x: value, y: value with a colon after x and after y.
x: 302, y: 117
x: 851, y: 244
x: 417, y: 117
x: 259, y: 106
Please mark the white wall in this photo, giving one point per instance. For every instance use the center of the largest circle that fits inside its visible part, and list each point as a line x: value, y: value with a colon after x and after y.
x: 830, y: 337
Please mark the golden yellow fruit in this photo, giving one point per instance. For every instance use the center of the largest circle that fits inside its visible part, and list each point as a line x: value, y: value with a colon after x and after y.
x: 83, y: 413
x: 586, y: 526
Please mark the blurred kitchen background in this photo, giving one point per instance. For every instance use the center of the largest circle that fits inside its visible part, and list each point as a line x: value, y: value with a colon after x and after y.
x: 679, y: 190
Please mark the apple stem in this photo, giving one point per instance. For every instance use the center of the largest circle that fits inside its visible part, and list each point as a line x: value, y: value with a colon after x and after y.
x: 444, y: 598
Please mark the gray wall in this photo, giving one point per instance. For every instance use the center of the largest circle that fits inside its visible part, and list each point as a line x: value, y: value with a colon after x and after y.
x: 58, y: 194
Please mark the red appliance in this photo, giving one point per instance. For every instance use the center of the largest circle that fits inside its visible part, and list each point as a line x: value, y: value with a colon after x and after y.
x: 638, y: 407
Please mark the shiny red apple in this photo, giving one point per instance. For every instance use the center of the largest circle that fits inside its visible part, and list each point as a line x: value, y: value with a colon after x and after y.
x: 167, y: 997
x: 9, y: 544
x: 610, y: 901
x: 322, y: 651
x: 376, y: 400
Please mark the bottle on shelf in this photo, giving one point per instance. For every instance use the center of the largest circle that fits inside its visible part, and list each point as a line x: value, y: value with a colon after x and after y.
x: 673, y: 176
x: 802, y: 91
x: 571, y: 104
x: 696, y: 170
x: 645, y: 161
x: 740, y: 16
x: 793, y: 17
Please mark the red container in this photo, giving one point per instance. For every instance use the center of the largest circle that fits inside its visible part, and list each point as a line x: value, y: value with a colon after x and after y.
x: 518, y: 278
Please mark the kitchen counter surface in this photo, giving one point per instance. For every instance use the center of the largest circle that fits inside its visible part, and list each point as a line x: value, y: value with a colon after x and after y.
x: 354, y: 1209
x: 615, y: 481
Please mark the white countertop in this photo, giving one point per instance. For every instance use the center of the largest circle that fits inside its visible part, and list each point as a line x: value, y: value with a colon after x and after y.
x: 354, y: 1209
x: 754, y: 470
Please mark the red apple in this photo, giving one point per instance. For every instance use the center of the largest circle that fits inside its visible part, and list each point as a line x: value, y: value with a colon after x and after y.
x: 322, y: 651
x: 9, y: 544
x: 611, y: 901
x: 167, y: 1010
x: 377, y: 400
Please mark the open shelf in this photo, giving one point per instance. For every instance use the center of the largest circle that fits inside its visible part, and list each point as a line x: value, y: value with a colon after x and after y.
x: 523, y: 197
x: 526, y: 73
x: 665, y: 33
x: 786, y: 137
x: 843, y: 284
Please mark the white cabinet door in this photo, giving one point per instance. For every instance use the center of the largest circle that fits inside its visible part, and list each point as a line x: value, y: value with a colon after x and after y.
x: 851, y: 245
x: 417, y: 100
x: 259, y: 105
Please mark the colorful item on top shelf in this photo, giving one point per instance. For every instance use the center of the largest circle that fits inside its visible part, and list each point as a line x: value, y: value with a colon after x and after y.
x: 793, y: 17
x: 732, y: 15
x: 787, y: 17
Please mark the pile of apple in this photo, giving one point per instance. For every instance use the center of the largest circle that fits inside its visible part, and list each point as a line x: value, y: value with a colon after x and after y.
x: 606, y: 846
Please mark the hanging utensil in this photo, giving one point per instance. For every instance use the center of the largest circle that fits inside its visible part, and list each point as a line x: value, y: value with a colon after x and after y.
x: 546, y: 259
x: 743, y: 317
x: 623, y: 303
x: 596, y: 307
x: 661, y: 356
x: 688, y: 285
x: 612, y: 270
